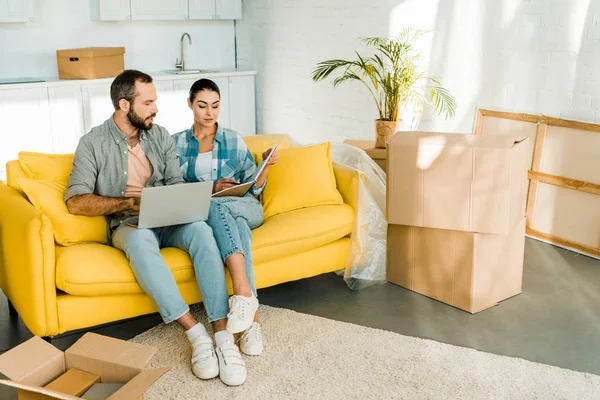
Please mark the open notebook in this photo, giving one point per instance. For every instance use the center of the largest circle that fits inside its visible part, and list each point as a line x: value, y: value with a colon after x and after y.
x: 243, y: 188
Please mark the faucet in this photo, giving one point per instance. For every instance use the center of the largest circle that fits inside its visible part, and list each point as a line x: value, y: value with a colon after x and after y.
x: 180, y: 65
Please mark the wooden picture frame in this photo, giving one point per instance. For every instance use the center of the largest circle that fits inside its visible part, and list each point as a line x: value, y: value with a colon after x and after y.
x: 545, y: 188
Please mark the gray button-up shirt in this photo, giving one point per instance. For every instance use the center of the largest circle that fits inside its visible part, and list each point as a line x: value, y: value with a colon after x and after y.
x: 100, y: 163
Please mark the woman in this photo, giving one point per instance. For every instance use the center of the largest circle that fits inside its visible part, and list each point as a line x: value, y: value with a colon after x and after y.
x: 209, y: 152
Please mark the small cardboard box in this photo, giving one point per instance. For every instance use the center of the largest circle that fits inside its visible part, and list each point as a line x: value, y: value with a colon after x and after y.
x: 35, y: 363
x: 90, y: 62
x: 74, y: 382
x: 471, y: 183
x: 470, y: 271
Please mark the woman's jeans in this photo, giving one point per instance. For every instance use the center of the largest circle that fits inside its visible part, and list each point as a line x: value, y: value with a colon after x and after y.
x: 142, y: 248
x: 232, y: 219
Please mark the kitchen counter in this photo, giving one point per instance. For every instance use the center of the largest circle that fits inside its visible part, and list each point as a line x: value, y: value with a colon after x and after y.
x: 156, y: 75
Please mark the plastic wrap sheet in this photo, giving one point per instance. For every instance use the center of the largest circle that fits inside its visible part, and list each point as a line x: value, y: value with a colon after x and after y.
x: 366, y: 263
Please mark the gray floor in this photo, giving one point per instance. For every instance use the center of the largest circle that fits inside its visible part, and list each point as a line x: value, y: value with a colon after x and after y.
x: 556, y: 320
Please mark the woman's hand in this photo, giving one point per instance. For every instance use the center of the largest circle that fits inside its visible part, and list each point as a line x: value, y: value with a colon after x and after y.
x: 273, y: 160
x: 224, y: 184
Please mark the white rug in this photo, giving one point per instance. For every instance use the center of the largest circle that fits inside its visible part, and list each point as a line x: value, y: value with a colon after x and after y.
x: 308, y: 357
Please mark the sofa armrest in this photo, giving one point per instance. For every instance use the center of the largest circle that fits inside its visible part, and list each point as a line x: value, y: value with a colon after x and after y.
x: 27, y: 262
x: 347, y: 183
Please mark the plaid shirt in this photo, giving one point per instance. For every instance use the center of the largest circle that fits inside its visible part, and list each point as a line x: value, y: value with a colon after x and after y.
x: 230, y: 157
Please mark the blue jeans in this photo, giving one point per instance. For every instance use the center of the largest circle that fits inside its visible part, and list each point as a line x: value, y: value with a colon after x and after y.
x: 232, y: 219
x: 142, y: 248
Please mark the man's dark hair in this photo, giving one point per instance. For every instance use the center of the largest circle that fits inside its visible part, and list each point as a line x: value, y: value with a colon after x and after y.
x: 123, y: 87
x: 203, y: 84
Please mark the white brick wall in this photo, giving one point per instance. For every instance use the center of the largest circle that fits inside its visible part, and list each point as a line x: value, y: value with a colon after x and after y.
x: 533, y: 56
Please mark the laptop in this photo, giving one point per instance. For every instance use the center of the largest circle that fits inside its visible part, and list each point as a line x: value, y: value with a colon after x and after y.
x: 174, y: 204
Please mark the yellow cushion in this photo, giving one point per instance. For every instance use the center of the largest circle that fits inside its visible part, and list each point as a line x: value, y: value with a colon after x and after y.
x: 46, y: 166
x: 97, y: 270
x: 258, y: 144
x: 300, y: 230
x: 303, y: 177
x: 14, y: 171
x: 47, y: 196
x: 93, y: 269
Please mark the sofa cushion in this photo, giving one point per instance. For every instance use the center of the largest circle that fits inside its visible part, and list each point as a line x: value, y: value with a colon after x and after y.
x: 95, y: 269
x: 301, y: 230
x: 303, y: 177
x: 48, y: 197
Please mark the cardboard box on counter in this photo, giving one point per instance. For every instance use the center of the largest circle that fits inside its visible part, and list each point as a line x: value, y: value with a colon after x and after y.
x: 472, y: 183
x: 35, y: 363
x: 90, y: 62
x: 456, y: 216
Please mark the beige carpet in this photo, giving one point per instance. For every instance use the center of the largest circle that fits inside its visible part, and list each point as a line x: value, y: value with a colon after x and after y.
x: 309, y: 357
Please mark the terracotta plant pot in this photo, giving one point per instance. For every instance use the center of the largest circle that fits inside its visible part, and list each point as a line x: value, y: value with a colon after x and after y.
x: 384, y: 130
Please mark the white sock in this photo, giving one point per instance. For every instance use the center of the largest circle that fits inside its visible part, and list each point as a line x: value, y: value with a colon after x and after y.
x: 195, y: 331
x: 223, y: 336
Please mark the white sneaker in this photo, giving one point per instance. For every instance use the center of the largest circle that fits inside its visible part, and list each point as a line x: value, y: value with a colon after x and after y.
x: 232, y: 369
x: 251, y: 341
x: 205, y: 364
x: 241, y: 313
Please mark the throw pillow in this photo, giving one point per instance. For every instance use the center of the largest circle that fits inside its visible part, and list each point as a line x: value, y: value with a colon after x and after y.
x: 46, y: 166
x: 69, y: 229
x: 303, y: 177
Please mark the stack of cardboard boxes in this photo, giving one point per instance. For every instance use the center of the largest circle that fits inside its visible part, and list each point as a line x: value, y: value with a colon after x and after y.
x: 456, y: 216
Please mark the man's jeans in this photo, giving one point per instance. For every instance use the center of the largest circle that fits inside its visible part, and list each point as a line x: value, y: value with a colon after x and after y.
x: 232, y: 219
x: 142, y: 248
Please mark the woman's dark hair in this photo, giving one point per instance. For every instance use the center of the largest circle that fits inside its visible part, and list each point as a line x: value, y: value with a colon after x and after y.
x: 123, y: 86
x: 203, y: 84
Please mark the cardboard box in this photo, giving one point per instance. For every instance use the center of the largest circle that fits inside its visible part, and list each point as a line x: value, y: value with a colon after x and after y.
x: 470, y: 271
x: 90, y: 62
x: 35, y: 363
x: 74, y: 382
x: 471, y: 183
x: 377, y: 154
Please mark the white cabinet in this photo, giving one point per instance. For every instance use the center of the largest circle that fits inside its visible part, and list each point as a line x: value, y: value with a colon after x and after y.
x: 229, y: 9
x: 155, y: 10
x: 166, y: 104
x: 25, y: 124
x: 97, y: 106
x: 111, y: 10
x: 215, y: 9
x: 16, y: 10
x: 66, y: 119
x: 159, y: 10
x: 203, y: 9
x: 242, y: 105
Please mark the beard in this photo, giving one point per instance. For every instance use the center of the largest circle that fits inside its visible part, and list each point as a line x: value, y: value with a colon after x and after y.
x: 138, y: 121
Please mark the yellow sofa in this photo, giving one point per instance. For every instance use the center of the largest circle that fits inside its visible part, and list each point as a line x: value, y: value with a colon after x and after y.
x: 57, y: 289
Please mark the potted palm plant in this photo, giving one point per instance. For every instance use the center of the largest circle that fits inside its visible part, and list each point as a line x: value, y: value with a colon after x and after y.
x: 394, y: 78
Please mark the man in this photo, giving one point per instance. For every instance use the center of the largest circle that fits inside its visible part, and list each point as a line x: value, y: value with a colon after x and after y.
x: 112, y: 164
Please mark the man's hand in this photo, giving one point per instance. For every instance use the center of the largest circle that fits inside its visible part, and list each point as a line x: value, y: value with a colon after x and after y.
x: 273, y: 160
x: 134, y: 208
x: 224, y: 184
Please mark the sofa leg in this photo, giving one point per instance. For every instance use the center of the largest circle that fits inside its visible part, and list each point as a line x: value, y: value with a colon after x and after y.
x: 11, y: 309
